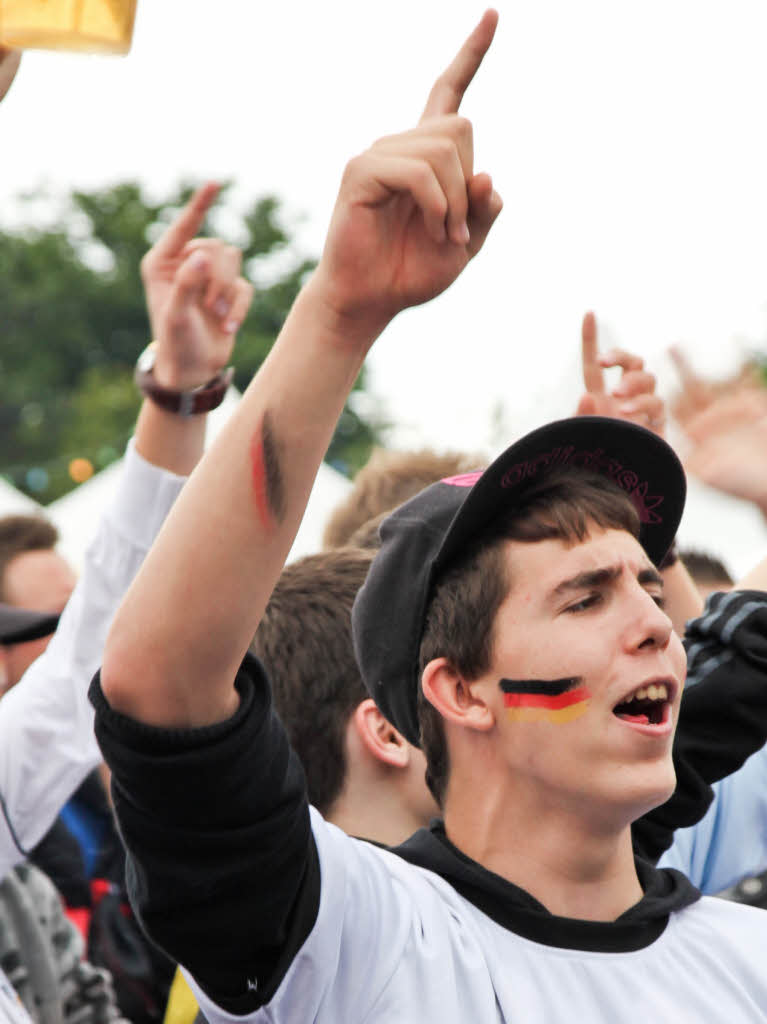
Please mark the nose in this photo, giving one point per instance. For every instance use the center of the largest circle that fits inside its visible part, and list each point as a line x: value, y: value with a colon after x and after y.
x: 650, y: 626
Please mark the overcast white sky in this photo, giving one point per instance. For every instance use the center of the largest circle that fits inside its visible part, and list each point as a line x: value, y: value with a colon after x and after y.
x: 628, y: 143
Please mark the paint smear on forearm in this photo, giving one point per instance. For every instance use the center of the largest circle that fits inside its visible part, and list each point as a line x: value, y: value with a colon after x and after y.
x: 266, y: 475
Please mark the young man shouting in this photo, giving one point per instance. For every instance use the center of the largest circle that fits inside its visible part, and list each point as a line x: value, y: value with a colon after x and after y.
x: 521, y: 608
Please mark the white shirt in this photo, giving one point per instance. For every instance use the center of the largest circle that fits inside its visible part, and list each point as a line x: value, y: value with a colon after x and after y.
x: 46, y: 722
x: 396, y: 943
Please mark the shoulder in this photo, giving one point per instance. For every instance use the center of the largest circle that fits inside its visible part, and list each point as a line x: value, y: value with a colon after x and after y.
x: 726, y: 924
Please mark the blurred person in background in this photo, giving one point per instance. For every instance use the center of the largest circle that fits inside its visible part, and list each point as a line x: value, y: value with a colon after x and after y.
x: 196, y: 300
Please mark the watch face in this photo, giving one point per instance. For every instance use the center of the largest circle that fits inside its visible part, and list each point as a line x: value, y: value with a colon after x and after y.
x: 147, y: 358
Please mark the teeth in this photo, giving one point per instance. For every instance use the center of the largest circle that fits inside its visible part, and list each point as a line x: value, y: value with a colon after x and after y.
x: 651, y: 692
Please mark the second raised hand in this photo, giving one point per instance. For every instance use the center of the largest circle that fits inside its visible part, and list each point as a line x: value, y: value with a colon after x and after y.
x: 195, y: 295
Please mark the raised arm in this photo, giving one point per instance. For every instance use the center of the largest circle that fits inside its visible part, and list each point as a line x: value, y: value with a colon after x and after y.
x: 410, y: 214
x: 46, y: 724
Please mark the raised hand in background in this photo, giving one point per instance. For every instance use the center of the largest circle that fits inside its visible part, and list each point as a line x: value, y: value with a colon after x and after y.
x: 633, y: 399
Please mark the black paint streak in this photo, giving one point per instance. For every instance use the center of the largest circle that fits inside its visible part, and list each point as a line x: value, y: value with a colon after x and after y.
x: 275, y: 487
x: 555, y: 688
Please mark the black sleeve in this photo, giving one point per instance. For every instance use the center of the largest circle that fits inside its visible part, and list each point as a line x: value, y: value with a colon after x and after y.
x: 723, y: 716
x: 222, y: 869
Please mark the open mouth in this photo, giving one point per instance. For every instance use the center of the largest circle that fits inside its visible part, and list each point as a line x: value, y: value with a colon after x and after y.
x: 647, y: 705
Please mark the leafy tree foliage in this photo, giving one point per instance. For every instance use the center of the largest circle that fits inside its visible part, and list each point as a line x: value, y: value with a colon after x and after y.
x: 73, y: 322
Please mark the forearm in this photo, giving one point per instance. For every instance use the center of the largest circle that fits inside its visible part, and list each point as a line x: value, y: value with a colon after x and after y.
x: 168, y: 440
x: 174, y: 649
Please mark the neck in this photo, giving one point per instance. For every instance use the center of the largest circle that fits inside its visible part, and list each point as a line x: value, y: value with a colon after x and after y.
x: 379, y: 816
x: 575, y: 868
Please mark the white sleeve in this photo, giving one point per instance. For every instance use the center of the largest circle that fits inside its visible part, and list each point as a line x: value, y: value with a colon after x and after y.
x: 376, y: 912
x: 46, y: 721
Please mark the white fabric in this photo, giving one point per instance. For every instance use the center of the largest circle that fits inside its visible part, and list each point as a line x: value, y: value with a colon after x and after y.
x: 46, y: 721
x: 393, y: 942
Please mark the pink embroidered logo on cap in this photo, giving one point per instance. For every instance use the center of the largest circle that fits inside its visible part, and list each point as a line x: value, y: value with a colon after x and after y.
x: 627, y: 479
x: 463, y: 479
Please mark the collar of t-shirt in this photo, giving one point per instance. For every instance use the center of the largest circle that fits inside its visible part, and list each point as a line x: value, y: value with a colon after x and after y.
x: 665, y: 890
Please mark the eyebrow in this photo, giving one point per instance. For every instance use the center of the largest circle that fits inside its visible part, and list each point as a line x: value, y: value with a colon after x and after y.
x: 601, y: 578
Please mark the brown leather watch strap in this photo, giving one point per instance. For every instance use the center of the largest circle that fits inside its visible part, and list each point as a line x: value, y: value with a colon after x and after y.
x: 182, y: 403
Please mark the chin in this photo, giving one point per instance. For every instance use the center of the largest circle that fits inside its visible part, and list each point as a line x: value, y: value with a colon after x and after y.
x: 655, y: 789
x: 645, y: 788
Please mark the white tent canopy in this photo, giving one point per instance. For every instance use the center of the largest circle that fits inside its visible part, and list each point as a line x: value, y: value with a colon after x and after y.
x: 13, y: 502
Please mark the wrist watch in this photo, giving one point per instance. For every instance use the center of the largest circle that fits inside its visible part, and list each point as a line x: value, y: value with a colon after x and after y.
x: 182, y: 403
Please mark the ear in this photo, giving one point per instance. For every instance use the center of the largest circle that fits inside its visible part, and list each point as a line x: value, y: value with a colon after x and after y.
x: 378, y: 735
x: 456, y: 700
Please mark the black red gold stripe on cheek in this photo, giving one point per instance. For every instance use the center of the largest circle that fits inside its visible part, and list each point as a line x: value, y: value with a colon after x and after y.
x: 535, y: 700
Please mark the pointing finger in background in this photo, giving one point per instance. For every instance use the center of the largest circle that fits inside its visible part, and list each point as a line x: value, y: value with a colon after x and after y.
x: 593, y: 378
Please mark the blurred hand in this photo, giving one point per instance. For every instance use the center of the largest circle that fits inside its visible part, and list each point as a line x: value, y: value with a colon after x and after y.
x: 728, y: 444
x: 634, y: 399
x: 696, y: 393
x: 9, y: 65
x: 411, y: 212
x: 195, y: 296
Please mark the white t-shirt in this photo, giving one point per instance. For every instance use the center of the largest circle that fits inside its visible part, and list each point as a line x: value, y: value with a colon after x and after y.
x: 397, y: 943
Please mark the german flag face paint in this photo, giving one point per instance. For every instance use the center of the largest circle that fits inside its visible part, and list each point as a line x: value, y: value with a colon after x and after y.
x: 538, y: 700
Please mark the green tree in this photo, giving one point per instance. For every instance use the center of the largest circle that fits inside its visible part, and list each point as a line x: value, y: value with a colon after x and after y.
x: 73, y: 321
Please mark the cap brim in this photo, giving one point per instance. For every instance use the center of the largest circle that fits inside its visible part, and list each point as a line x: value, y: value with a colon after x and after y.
x: 635, y: 459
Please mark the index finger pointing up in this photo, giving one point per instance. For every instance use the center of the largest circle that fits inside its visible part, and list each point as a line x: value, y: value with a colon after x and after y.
x: 185, y: 227
x: 593, y: 378
x: 447, y: 92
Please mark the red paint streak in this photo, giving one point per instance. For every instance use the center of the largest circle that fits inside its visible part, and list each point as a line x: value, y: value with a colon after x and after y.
x: 258, y: 478
x: 540, y: 700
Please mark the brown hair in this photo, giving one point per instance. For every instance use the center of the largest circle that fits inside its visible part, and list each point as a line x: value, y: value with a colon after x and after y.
x: 705, y: 568
x: 461, y: 615
x: 386, y: 481
x: 305, y: 643
x: 22, y: 533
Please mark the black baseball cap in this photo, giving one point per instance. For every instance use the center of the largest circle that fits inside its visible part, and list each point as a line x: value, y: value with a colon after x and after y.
x: 17, y: 625
x: 423, y: 536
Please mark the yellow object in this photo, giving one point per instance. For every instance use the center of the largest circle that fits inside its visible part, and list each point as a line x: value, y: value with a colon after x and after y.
x: 80, y: 470
x: 90, y: 26
x: 182, y: 1006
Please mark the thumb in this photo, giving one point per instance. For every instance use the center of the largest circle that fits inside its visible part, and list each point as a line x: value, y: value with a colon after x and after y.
x: 484, y: 206
x: 190, y: 282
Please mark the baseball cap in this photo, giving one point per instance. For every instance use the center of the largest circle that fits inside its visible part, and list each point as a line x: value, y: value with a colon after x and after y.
x: 17, y: 625
x: 424, y: 535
